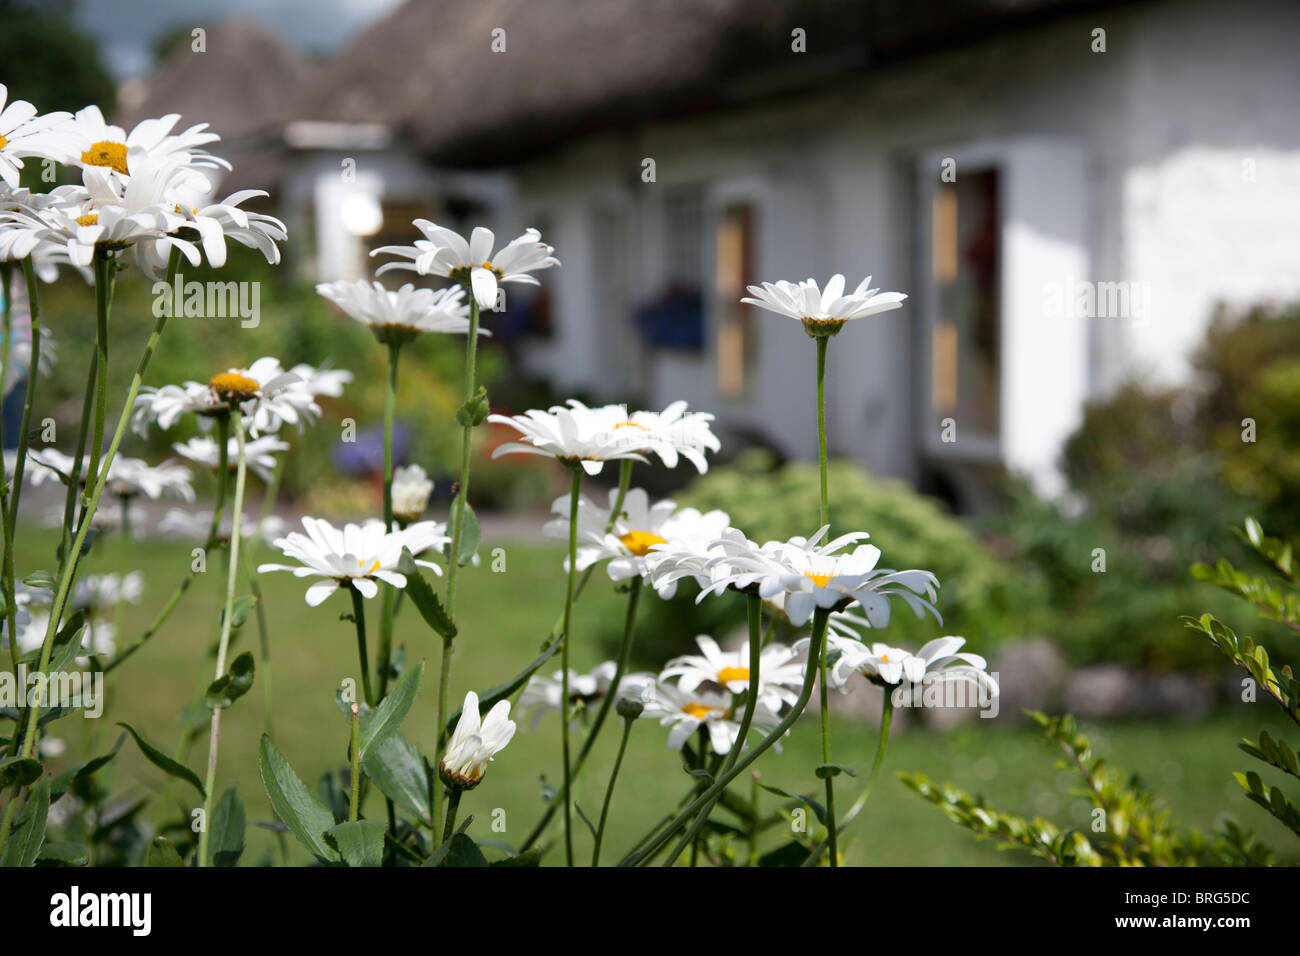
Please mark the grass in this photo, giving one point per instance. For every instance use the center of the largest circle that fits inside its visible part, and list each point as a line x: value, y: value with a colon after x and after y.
x: 505, y: 614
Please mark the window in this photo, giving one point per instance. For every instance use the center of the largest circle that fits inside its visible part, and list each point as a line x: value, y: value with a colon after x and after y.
x: 733, y: 271
x: 965, y: 329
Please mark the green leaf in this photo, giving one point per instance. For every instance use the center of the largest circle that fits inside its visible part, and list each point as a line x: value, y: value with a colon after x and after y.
x: 531, y: 857
x: 827, y: 770
x: 490, y: 697
x: 381, y: 722
x: 83, y: 770
x: 165, y: 763
x: 475, y: 409
x: 18, y: 771
x: 469, y: 538
x: 239, y: 611
x: 226, y: 836
x: 582, y: 816
x: 28, y: 832
x: 162, y: 853
x: 462, y: 851
x: 816, y: 807
x: 361, y: 842
x: 231, y: 686
x: 67, y: 643
x: 789, y: 854
x: 43, y: 580
x: 294, y: 804
x: 401, y: 774
x: 69, y: 854
x: 424, y: 598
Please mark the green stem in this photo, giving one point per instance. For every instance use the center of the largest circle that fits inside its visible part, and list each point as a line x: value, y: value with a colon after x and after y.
x: 609, y: 789
x: 822, y: 342
x: 574, y: 495
x: 826, y: 759
x: 453, y: 804
x: 359, y: 618
x: 386, y: 616
x: 453, y: 562
x: 354, y: 801
x: 886, y: 718
x: 754, y: 606
x: 227, y: 627
x: 664, y: 833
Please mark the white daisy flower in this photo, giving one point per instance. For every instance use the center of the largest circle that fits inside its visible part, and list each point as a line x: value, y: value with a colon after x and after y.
x: 401, y: 315
x: 267, y: 396
x: 25, y: 134
x: 356, y: 555
x: 575, y: 436
x: 698, y: 557
x: 823, y: 312
x: 668, y: 434
x: 259, y: 453
x: 475, y: 742
x: 128, y: 477
x: 443, y: 252
x: 108, y: 147
x: 215, y: 223
x: 638, y: 530
x: 686, y: 712
x: 320, y: 380
x: 107, y: 590
x: 544, y: 694
x: 806, y: 575
x: 780, y: 673
x: 107, y: 214
x: 939, y: 660
x: 410, y: 491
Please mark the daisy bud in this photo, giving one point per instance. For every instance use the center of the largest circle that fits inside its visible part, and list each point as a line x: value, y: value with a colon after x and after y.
x: 629, y: 708
x: 474, y: 744
x: 411, y: 490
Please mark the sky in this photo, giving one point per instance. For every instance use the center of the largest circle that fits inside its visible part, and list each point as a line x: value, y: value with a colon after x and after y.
x: 125, y: 27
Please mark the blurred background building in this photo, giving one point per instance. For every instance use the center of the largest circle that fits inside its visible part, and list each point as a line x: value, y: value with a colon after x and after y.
x: 1065, y: 189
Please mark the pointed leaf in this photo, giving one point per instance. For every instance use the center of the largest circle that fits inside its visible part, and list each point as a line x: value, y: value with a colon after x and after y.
x: 361, y: 842
x: 163, y: 762
x: 293, y: 803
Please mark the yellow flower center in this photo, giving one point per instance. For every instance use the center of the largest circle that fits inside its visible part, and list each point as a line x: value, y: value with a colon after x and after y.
x: 89, y: 219
x: 371, y: 570
x: 733, y: 673
x: 821, y: 580
x: 487, y: 264
x: 112, y: 155
x: 631, y: 424
x: 699, y: 711
x: 884, y: 658
x: 3, y: 142
x: 640, y: 542
x: 234, y: 385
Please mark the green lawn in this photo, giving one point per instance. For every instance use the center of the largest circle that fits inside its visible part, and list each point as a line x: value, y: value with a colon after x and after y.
x: 503, y: 618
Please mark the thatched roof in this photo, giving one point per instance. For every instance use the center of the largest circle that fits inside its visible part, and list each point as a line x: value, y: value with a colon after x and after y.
x: 244, y: 85
x: 574, y: 66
